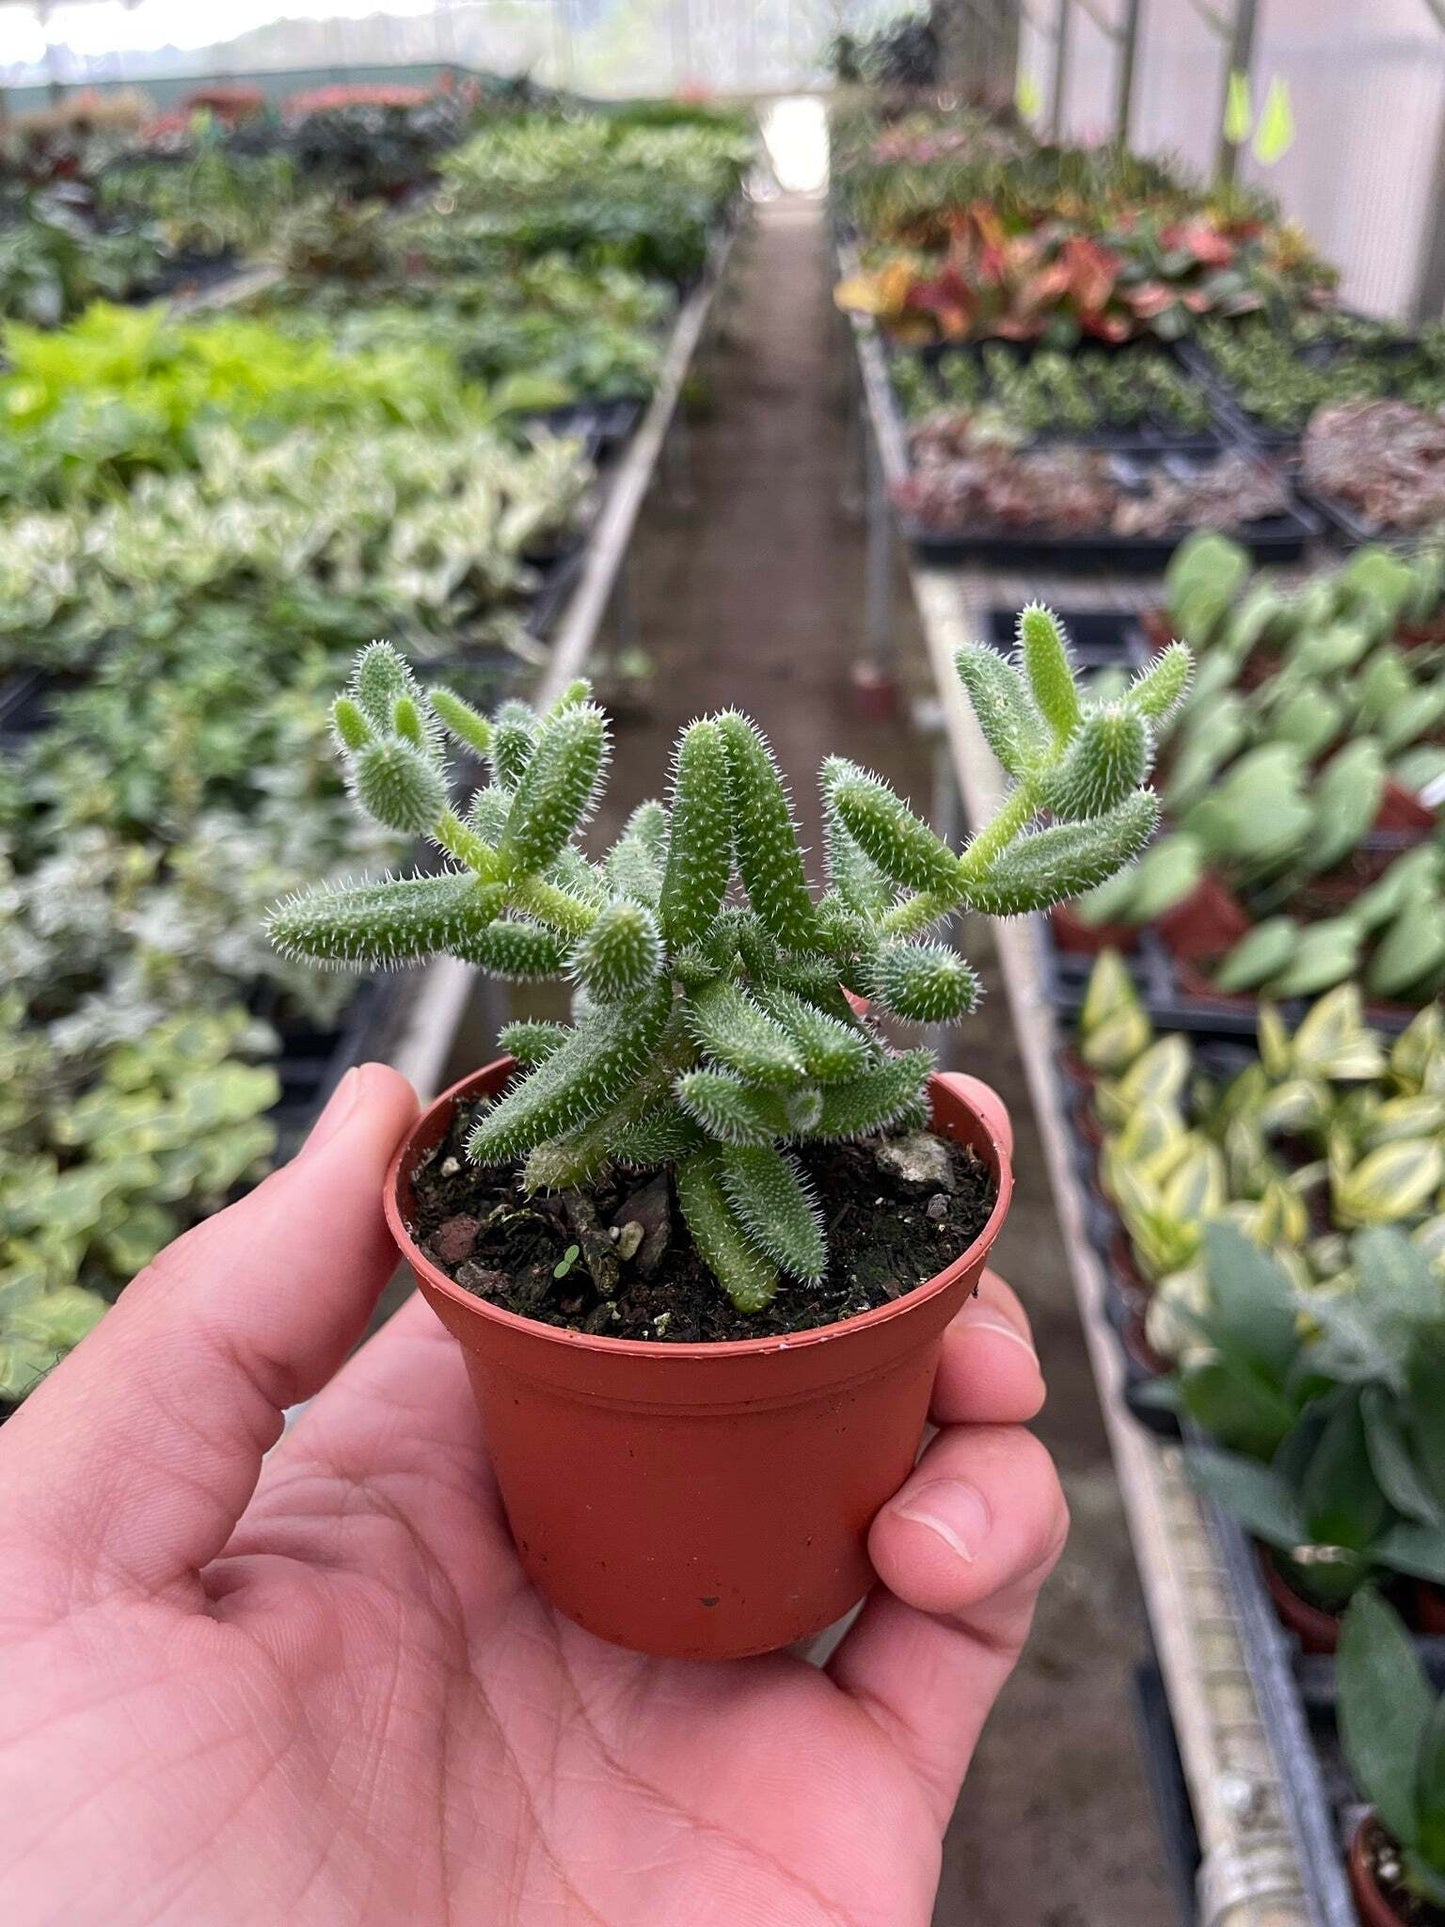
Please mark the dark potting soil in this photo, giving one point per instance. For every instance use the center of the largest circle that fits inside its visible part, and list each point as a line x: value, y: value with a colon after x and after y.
x: 618, y: 1259
x: 1382, y: 1857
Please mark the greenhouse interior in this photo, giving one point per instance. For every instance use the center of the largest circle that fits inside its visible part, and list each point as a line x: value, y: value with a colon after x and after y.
x: 722, y: 879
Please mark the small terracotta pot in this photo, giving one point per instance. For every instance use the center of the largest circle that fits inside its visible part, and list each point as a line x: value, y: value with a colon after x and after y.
x: 1374, y: 1909
x: 1316, y: 1630
x: 1206, y: 923
x: 704, y: 1501
x: 1430, y: 1609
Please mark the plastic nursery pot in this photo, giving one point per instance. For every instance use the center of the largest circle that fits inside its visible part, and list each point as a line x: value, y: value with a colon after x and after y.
x: 1373, y: 1908
x: 1316, y: 1630
x: 1206, y: 923
x: 704, y: 1501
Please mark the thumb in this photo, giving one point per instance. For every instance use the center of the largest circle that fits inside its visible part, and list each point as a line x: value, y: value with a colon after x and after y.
x: 135, y: 1458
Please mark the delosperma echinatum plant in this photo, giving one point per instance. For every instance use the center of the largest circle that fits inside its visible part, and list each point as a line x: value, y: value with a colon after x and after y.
x: 712, y: 1029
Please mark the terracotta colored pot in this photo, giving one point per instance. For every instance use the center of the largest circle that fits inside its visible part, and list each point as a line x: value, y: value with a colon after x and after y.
x: 1430, y: 1609
x: 1316, y: 1630
x: 704, y: 1501
x: 1374, y: 1909
x: 1401, y: 809
x: 1079, y: 939
x: 1209, y: 921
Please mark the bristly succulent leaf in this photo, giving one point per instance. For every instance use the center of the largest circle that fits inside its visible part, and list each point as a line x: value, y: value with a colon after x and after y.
x: 1158, y: 690
x: 469, y: 726
x: 348, y: 719
x: 700, y: 843
x: 712, y: 1019
x: 1012, y: 726
x: 514, y: 736
x: 775, y: 1207
x: 1109, y: 756
x: 661, y: 1137
x: 381, y: 676
x: 635, y: 862
x: 589, y: 1072
x: 734, y: 1032
x: 887, y: 831
x: 768, y: 856
x: 399, y: 786
x: 730, y: 1111
x: 1044, y: 653
x: 530, y: 1041
x: 925, y: 983
x: 744, y: 1274
x: 620, y: 955
x: 893, y: 1096
x: 830, y: 1048
x: 1047, y: 866
x: 557, y: 791
x: 856, y: 877
x: 382, y: 926
x: 515, y: 948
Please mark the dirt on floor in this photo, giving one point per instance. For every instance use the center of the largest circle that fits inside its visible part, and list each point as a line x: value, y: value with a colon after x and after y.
x: 746, y: 587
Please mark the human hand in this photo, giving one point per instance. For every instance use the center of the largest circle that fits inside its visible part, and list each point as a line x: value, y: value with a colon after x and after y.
x: 318, y: 1689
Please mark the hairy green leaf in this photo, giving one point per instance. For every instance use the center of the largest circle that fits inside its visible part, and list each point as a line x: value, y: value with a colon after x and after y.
x: 589, y: 1072
x: 775, y: 1206
x: 744, y: 1274
x: 768, y: 857
x: 700, y: 845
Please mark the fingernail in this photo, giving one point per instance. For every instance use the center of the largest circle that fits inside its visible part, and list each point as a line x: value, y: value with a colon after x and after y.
x: 988, y: 1321
x: 339, y: 1106
x: 955, y: 1510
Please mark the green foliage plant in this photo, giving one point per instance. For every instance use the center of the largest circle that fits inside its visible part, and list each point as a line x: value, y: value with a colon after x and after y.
x: 1392, y: 1725
x: 712, y: 1024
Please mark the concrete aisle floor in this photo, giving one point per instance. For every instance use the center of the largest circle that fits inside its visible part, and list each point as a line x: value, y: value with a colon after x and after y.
x: 751, y: 594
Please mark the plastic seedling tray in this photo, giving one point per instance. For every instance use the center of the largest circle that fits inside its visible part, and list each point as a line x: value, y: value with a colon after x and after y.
x: 1157, y: 432
x: 1278, y: 538
x: 1178, y: 999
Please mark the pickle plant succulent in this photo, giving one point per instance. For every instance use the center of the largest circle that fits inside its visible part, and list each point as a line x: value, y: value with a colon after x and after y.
x: 713, y: 1026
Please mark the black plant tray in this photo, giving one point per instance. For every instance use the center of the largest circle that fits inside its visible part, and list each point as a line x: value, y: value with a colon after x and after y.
x: 601, y: 426
x: 1173, y: 1007
x: 1278, y: 538
x: 26, y: 696
x: 1160, y: 434
x: 1101, y: 638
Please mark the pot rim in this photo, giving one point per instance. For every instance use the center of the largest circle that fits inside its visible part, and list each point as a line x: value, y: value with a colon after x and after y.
x: 644, y: 1348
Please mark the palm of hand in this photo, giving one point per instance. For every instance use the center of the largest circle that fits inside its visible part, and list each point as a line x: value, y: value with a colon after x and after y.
x: 357, y: 1710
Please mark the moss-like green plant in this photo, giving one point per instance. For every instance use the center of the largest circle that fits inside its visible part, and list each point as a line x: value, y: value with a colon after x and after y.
x: 713, y: 1024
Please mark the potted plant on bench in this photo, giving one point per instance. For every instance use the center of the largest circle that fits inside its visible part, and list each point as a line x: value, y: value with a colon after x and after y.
x: 700, y: 1246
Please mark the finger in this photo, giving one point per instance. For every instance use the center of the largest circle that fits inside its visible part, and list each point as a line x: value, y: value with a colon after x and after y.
x: 962, y: 1551
x: 138, y: 1454
x: 988, y: 1371
x: 402, y: 1406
